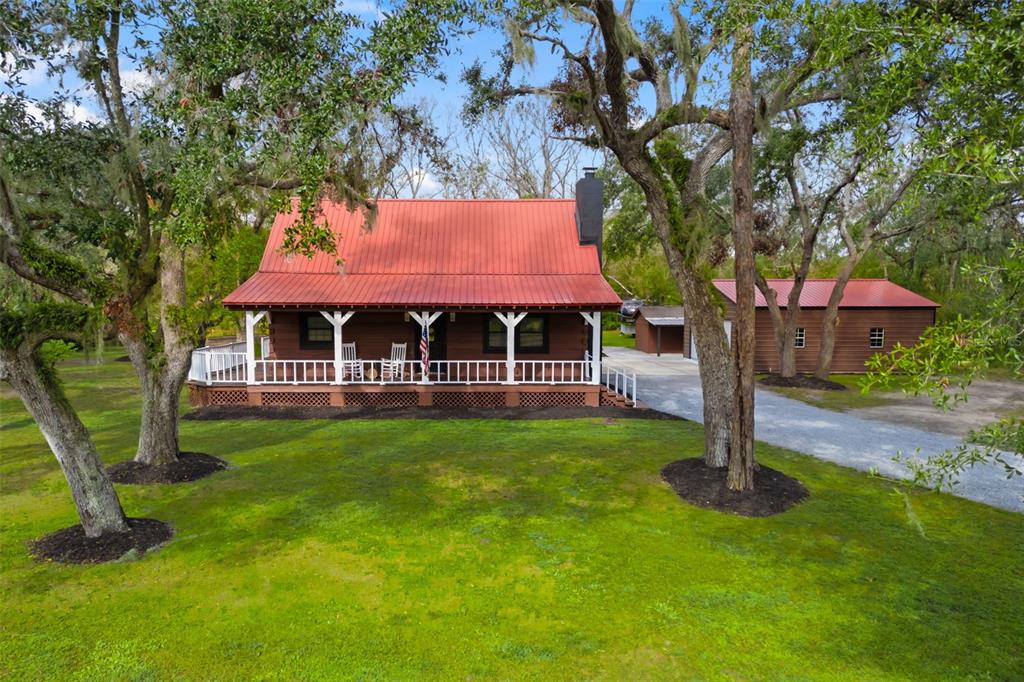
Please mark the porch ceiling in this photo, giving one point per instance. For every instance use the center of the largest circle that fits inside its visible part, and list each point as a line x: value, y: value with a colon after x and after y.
x: 422, y: 291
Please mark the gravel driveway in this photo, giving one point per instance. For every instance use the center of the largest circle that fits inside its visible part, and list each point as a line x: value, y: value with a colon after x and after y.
x: 671, y: 383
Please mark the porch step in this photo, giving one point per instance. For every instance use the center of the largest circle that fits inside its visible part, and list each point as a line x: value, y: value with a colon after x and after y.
x: 613, y: 399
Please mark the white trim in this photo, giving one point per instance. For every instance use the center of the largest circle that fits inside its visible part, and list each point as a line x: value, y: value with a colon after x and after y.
x: 594, y: 320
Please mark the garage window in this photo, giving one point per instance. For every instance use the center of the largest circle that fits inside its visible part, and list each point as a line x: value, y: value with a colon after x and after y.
x: 801, y: 338
x: 876, y: 337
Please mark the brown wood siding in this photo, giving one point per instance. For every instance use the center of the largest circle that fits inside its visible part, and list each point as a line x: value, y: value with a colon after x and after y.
x: 674, y: 339
x: 373, y: 334
x: 903, y: 325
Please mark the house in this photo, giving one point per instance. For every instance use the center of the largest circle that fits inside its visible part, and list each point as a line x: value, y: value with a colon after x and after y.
x: 508, y: 293
x: 660, y: 329
x: 874, y: 315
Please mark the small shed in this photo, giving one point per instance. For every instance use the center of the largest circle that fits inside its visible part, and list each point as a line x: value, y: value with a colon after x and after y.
x: 662, y: 329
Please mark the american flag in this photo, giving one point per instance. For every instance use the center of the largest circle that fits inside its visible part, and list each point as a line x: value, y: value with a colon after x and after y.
x: 425, y: 351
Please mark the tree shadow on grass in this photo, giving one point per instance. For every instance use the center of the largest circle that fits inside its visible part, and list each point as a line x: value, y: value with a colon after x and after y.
x: 397, y: 480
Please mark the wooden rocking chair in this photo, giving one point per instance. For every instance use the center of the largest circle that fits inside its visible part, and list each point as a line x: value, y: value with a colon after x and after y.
x: 393, y: 369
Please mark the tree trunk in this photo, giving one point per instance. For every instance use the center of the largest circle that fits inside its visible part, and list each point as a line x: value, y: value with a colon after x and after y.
x: 831, y: 319
x: 741, y: 115
x: 162, y: 377
x: 784, y: 346
x: 702, y: 314
x: 97, y: 357
x: 99, y: 508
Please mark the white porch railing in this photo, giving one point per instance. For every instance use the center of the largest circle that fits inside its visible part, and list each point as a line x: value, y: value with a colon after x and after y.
x: 619, y: 383
x: 223, y: 365
x: 294, y: 371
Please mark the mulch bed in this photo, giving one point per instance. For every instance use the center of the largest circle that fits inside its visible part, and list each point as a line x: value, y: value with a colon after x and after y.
x: 802, y: 381
x: 191, y: 466
x: 71, y: 546
x: 703, y: 486
x: 218, y: 412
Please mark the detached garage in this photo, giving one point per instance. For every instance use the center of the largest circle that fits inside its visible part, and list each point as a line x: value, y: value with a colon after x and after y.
x: 874, y: 315
x: 662, y: 329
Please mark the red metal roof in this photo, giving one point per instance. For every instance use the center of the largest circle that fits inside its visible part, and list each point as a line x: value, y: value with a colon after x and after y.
x: 859, y: 293
x: 437, y: 253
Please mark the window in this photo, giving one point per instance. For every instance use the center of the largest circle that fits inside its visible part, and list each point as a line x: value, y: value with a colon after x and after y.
x: 801, y: 338
x: 315, y: 331
x: 876, y: 337
x: 494, y: 339
x: 531, y: 335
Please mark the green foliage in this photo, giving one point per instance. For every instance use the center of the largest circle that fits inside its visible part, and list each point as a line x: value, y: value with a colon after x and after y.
x: 62, y: 268
x: 647, y: 276
x: 447, y: 549
x: 947, y: 358
x: 41, y: 321
x: 280, y: 95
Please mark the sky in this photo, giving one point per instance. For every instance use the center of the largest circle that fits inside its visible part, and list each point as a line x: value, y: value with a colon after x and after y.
x: 448, y: 97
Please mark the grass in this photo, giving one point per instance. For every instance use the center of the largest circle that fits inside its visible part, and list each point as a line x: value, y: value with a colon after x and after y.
x: 612, y: 337
x: 841, y: 401
x: 492, y: 549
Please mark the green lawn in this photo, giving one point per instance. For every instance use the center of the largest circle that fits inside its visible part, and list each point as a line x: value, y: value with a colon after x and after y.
x: 850, y: 399
x: 612, y: 337
x: 491, y: 549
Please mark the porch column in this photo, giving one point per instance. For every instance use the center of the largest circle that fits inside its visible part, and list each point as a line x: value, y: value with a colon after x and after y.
x: 337, y: 320
x: 594, y: 320
x: 251, y: 319
x: 510, y: 320
x: 424, y: 319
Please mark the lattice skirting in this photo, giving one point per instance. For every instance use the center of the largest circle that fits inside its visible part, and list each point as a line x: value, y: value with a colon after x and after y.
x: 297, y: 399
x: 232, y: 397
x: 608, y: 401
x: 468, y: 399
x: 409, y: 399
x: 552, y: 399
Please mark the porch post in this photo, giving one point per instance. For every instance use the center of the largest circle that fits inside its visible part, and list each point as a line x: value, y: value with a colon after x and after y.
x: 510, y: 320
x: 337, y: 320
x: 250, y: 344
x: 250, y: 350
x: 594, y: 320
x: 424, y: 319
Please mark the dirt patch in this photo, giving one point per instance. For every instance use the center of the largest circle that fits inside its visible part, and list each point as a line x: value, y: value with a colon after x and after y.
x: 702, y: 486
x: 988, y: 400
x: 512, y: 413
x: 191, y: 466
x: 71, y: 546
x: 123, y: 358
x: 801, y: 381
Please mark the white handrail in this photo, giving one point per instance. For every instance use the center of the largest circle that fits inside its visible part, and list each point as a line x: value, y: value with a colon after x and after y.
x: 294, y: 371
x: 217, y: 367
x: 221, y: 365
x: 620, y: 383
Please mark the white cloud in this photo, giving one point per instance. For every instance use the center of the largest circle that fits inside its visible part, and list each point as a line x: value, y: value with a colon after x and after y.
x: 80, y: 114
x: 76, y: 112
x: 361, y: 7
x: 136, y: 81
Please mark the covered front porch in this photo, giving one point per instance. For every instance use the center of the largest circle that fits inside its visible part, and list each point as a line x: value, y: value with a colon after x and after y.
x: 376, y: 358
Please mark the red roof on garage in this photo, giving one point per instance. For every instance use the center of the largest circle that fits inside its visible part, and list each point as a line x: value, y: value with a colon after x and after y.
x: 518, y: 253
x: 859, y: 293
